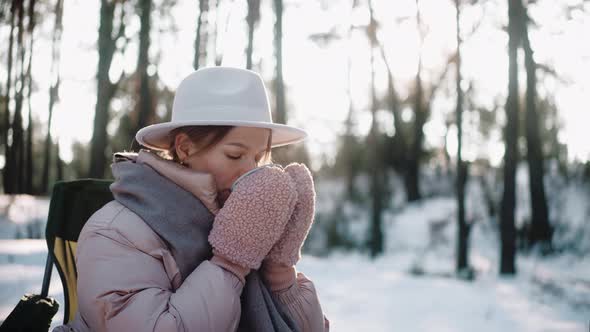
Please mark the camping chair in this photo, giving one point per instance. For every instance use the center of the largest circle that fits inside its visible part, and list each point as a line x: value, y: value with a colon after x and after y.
x: 72, y: 203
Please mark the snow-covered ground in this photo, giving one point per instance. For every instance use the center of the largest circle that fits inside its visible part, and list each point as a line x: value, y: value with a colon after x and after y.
x: 22, y: 265
x: 360, y: 294
x: 549, y: 294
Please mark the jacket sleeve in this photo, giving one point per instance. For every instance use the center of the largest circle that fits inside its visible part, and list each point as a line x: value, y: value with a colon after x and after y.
x: 302, y: 304
x: 122, y: 288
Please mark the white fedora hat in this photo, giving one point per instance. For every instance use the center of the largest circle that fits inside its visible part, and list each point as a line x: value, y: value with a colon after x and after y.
x: 222, y: 96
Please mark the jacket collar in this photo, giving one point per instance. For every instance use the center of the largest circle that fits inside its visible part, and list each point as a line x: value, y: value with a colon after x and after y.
x: 200, y: 184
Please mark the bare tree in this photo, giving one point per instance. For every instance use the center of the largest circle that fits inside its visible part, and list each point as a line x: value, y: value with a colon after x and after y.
x: 399, y: 152
x: 348, y: 138
x: 540, y: 230
x: 422, y: 98
x: 8, y: 179
x: 420, y: 116
x: 105, y: 88
x: 201, y: 36
x: 462, y: 227
x: 375, y: 157
x: 15, y: 159
x: 252, y: 18
x: 28, y: 177
x: 280, y: 104
x: 53, y: 90
x: 214, y: 29
x: 145, y: 106
x: 507, y: 228
x: 59, y: 166
x: 400, y: 145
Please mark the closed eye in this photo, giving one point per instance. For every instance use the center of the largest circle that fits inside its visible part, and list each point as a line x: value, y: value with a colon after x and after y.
x: 233, y: 157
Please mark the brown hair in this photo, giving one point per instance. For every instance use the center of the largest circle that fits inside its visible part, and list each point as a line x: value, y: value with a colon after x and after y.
x: 206, y: 137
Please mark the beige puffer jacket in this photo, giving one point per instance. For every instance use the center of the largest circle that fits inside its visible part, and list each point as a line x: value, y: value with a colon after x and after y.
x: 129, y: 281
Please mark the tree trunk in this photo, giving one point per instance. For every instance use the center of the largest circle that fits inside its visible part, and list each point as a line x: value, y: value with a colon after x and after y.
x: 491, y: 203
x: 58, y: 164
x: 400, y: 142
x: 375, y: 167
x: 280, y: 106
x: 348, y: 140
x: 29, y: 188
x: 507, y: 229
x: 462, y: 227
x: 400, y: 145
x: 53, y: 90
x: 145, y: 106
x: 214, y: 33
x: 105, y: 89
x: 28, y: 177
x: 8, y: 169
x: 413, y: 166
x: 199, y: 40
x: 17, y: 154
x: 541, y: 231
x: 252, y: 19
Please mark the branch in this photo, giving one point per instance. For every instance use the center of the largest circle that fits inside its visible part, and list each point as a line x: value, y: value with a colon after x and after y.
x: 434, y: 87
x: 545, y: 69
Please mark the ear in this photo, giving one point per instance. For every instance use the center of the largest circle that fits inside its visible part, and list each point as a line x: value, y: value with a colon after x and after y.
x: 184, y: 146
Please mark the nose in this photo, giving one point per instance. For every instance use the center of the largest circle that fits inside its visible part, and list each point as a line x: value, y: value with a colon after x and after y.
x: 244, y: 168
x: 248, y: 165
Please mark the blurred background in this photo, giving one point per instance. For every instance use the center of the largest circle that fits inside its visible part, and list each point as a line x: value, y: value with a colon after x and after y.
x: 448, y: 139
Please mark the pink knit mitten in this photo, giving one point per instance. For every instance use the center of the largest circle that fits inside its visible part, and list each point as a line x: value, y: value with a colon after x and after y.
x: 253, y: 217
x: 278, y: 267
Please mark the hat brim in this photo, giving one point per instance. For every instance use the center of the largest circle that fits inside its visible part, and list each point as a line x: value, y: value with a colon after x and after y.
x: 157, y: 137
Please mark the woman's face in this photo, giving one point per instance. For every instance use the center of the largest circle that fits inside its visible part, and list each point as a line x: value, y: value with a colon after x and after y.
x: 237, y: 153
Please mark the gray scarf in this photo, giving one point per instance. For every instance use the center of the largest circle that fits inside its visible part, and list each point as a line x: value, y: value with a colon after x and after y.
x: 184, y: 223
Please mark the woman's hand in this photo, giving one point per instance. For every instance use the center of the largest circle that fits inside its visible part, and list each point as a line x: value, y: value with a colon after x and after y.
x: 253, y: 217
x: 278, y: 267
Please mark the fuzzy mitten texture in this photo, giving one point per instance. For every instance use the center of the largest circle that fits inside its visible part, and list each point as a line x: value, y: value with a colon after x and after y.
x: 278, y: 268
x: 200, y: 184
x: 253, y: 217
x: 287, y: 250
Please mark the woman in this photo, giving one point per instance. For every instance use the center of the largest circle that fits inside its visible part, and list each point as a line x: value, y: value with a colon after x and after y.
x: 199, y: 238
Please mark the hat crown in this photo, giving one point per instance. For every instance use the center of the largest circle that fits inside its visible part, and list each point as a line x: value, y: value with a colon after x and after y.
x: 221, y: 94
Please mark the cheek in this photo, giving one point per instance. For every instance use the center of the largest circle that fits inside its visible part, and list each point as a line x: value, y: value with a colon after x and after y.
x: 212, y: 165
x: 221, y: 171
